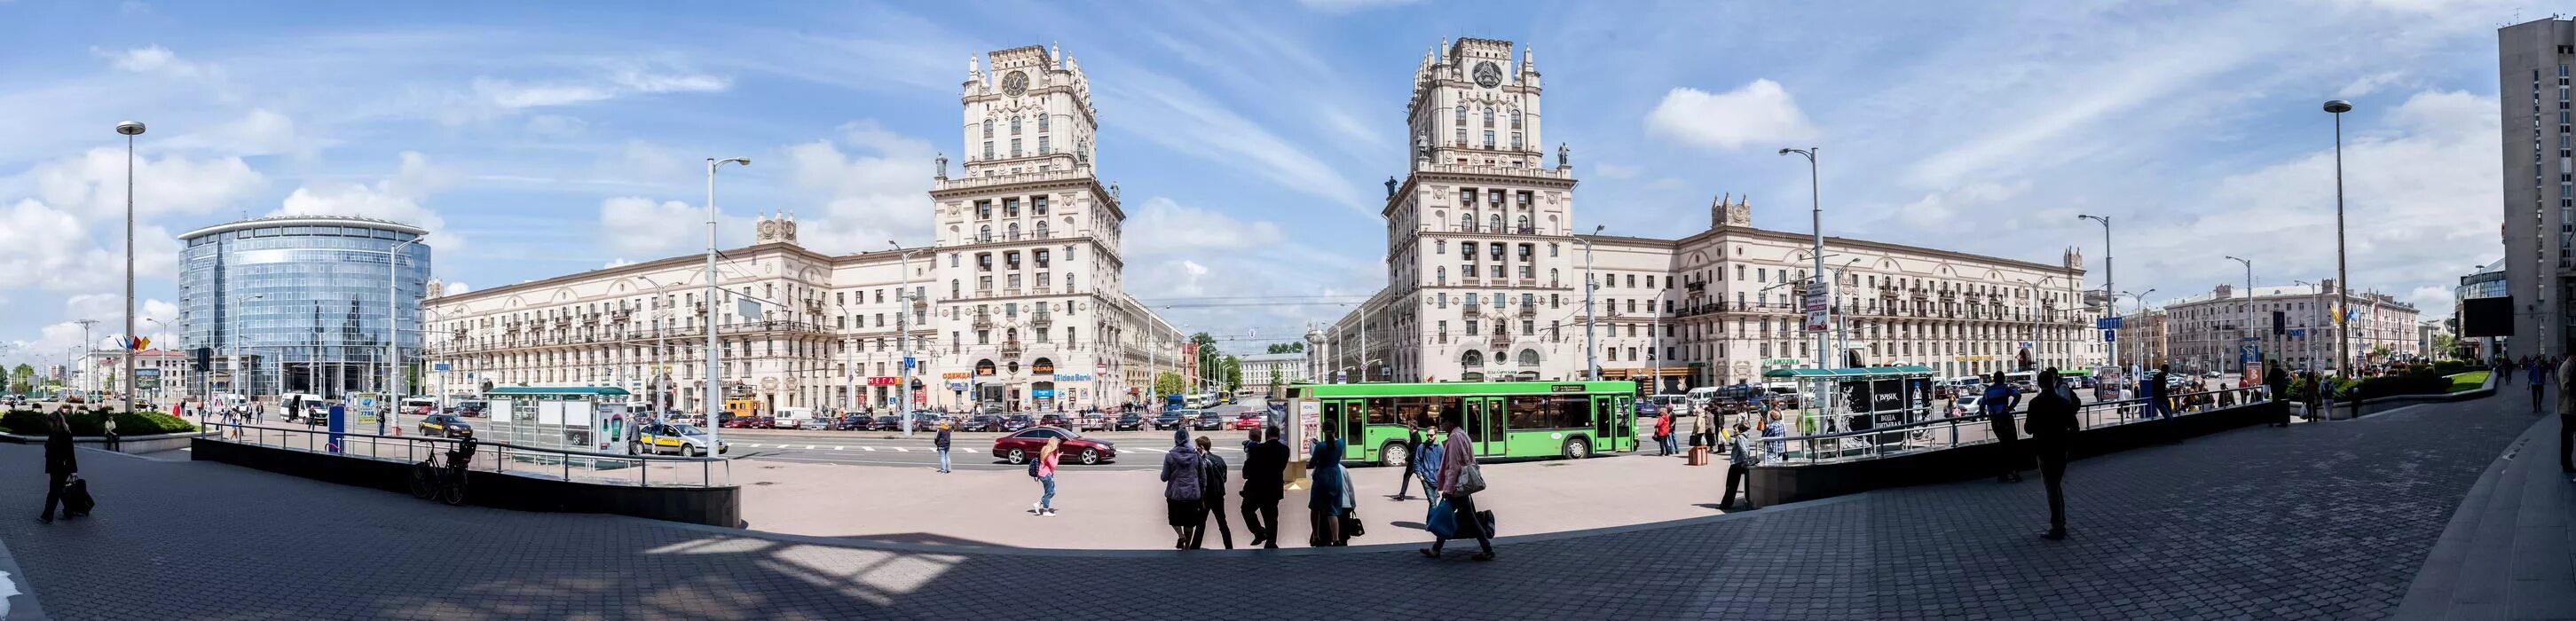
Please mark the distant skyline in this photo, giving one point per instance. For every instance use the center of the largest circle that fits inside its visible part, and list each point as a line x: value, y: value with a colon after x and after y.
x: 1249, y: 140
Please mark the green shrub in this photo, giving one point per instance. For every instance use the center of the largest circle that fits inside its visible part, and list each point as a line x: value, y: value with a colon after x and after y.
x: 31, y: 423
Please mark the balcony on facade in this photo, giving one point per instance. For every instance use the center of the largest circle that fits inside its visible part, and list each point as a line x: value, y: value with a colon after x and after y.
x: 1011, y: 349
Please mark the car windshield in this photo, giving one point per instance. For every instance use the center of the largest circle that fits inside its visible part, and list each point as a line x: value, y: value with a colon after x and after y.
x: 687, y: 430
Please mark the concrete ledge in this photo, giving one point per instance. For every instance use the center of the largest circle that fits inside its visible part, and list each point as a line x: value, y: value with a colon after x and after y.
x: 714, y: 506
x: 1787, y: 483
x: 124, y: 444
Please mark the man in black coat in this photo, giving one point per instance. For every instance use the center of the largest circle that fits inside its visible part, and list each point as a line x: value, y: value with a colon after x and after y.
x: 1265, y: 464
x: 2277, y: 383
x: 2052, y: 432
x: 60, y: 464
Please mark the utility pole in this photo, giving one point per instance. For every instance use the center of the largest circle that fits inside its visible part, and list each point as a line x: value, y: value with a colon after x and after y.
x: 1591, y: 350
x: 715, y: 357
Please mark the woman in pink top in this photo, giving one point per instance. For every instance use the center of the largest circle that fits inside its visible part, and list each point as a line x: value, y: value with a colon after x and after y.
x: 1046, y: 479
x: 1455, y: 455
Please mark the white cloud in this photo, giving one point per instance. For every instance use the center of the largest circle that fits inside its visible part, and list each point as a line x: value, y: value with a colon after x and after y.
x: 458, y: 288
x: 617, y: 82
x: 1177, y: 229
x: 152, y: 59
x: 398, y: 198
x: 869, y: 197
x: 1614, y: 171
x: 556, y: 126
x: 1942, y: 209
x: 1760, y: 112
x: 92, y: 185
x: 617, y: 262
x: 48, y: 248
x: 1172, y: 114
x: 634, y: 225
x: 2369, y: 84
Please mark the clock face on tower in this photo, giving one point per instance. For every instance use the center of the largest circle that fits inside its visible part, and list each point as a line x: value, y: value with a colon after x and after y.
x: 1015, y: 83
x: 1487, y: 75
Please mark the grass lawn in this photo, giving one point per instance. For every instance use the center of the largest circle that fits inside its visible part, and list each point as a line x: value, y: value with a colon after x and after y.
x: 2468, y: 381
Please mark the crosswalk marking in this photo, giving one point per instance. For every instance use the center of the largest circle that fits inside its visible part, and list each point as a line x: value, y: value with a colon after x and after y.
x: 899, y: 449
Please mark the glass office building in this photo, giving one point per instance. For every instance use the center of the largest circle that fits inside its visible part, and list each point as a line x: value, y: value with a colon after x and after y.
x: 299, y: 304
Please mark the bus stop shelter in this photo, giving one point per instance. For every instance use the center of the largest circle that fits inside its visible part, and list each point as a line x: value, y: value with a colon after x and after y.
x: 577, y: 418
x: 1839, y: 400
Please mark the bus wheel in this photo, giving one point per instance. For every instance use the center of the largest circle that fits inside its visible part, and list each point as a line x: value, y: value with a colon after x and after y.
x: 1394, y: 455
x: 1577, y: 448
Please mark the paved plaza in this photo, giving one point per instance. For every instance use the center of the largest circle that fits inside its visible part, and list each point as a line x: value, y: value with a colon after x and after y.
x: 2316, y: 521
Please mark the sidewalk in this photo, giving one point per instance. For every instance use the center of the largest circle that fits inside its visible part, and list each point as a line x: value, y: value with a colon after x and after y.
x: 2510, y: 550
x: 2325, y: 521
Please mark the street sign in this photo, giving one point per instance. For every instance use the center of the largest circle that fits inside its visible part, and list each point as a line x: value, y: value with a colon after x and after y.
x: 2251, y: 339
x: 2298, y: 333
x: 907, y: 362
x: 1817, y: 302
x: 2109, y: 335
x: 2107, y: 323
x: 438, y: 366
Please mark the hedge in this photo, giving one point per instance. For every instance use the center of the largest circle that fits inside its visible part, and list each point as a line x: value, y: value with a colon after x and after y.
x: 32, y: 423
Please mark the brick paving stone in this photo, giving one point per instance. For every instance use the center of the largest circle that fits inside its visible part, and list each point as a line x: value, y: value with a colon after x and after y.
x: 2322, y: 521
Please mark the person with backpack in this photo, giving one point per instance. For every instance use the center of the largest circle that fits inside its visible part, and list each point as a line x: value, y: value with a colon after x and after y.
x: 1460, y: 480
x: 1181, y: 490
x: 1998, y: 402
x: 942, y: 443
x: 1043, y: 469
x: 1211, y: 497
x: 2052, y: 432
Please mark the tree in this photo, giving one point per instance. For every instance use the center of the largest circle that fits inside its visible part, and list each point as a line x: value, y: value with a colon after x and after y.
x: 1167, y: 383
x: 1291, y: 347
x: 1274, y: 378
x: 1233, y: 374
x: 1207, y: 354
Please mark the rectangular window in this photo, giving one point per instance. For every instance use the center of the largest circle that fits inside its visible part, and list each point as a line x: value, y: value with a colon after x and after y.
x: 988, y: 149
x: 1471, y: 327
x: 1015, y: 147
x: 1489, y: 139
x: 1042, y: 146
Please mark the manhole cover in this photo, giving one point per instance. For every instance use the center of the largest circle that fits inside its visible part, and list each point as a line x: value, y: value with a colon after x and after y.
x: 762, y: 483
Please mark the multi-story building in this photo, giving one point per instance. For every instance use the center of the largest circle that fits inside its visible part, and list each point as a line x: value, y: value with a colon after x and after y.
x: 1262, y: 373
x: 1484, y: 265
x: 2539, y: 154
x: 300, y: 303
x: 1019, y: 301
x: 160, y: 374
x: 2208, y: 332
x: 2488, y: 282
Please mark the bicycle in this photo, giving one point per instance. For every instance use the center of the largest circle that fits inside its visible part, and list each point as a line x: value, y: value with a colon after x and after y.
x: 445, y: 483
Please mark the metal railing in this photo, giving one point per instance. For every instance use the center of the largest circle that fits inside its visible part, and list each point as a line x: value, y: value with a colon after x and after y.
x: 1971, y: 428
x: 495, y: 457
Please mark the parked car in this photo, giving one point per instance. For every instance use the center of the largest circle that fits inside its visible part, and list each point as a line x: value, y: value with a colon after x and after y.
x: 1093, y: 422
x: 1248, y: 420
x: 890, y: 422
x: 1130, y: 421
x: 852, y: 422
x: 1022, y: 446
x: 1168, y: 420
x: 1016, y: 422
x: 661, y: 438
x: 468, y: 408
x: 1054, y: 420
x: 1208, y: 421
x: 445, y: 426
x: 983, y: 422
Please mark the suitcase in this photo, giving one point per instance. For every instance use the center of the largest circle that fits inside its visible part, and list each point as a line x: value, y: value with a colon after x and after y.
x: 76, y: 500
x: 1699, y: 456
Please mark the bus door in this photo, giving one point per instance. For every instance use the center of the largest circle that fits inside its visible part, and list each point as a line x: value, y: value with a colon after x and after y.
x: 1485, y: 423
x: 1608, y: 427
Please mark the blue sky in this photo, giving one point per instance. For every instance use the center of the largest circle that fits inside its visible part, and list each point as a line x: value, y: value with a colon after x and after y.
x: 1249, y: 139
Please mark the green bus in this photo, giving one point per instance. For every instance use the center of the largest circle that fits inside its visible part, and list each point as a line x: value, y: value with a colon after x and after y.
x: 1507, y: 419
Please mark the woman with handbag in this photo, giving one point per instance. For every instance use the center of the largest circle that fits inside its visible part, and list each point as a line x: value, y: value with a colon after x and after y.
x: 1324, y: 502
x: 1460, y: 480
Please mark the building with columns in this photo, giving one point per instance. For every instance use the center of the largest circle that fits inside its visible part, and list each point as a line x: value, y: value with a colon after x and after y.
x: 1485, y: 267
x: 1019, y: 301
x: 2207, y: 332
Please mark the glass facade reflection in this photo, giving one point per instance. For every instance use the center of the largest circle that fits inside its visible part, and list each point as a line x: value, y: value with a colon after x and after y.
x: 299, y: 303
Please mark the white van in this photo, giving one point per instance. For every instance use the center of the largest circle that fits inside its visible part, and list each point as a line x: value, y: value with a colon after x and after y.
x: 797, y: 418
x: 314, y: 407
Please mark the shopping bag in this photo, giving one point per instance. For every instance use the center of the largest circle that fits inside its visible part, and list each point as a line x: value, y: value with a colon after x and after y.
x: 1443, y: 520
x: 76, y: 499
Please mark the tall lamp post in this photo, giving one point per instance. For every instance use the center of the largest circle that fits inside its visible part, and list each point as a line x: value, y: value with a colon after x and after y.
x: 2343, y: 279
x: 1816, y: 219
x: 2108, y: 286
x: 393, y: 323
x: 1591, y: 350
x: 715, y: 357
x: 904, y: 299
x: 2248, y: 330
x: 130, y: 129
x: 2142, y: 308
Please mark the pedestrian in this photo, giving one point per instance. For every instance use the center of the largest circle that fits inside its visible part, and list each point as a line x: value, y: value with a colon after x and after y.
x: 1045, y: 468
x: 107, y: 425
x: 2503, y: 368
x: 1324, y: 502
x: 1427, y: 465
x: 1664, y: 431
x: 1211, y: 497
x: 1181, y: 490
x: 2540, y: 380
x: 2276, y: 389
x: 1999, y: 419
x: 1774, y: 447
x: 2567, y: 418
x: 1412, y: 451
x: 2052, y: 432
x: 1740, y: 460
x: 1265, y: 463
x: 942, y: 443
x: 1457, y: 458
x: 1703, y: 426
x: 60, y: 465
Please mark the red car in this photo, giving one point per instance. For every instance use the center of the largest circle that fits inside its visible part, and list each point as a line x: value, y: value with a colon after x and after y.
x: 1247, y: 421
x: 1021, y: 446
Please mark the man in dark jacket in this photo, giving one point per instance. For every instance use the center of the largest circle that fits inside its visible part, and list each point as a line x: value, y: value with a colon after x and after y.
x: 60, y: 464
x: 1265, y: 463
x: 1211, y: 496
x: 2052, y: 432
x: 1412, y: 451
x: 1998, y: 402
x: 2276, y: 383
x: 942, y: 443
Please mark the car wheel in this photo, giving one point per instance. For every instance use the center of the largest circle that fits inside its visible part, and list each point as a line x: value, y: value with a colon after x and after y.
x: 1016, y: 456
x: 1577, y: 448
x: 695, y: 451
x: 1394, y: 455
x: 1090, y: 457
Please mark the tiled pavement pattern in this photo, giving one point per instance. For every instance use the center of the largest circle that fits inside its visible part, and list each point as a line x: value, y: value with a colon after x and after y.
x: 2317, y: 521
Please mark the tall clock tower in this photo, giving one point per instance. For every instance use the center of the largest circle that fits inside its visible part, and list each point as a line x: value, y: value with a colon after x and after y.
x: 1482, y: 263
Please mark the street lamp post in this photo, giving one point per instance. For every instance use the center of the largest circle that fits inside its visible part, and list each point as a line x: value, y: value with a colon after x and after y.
x: 2142, y: 308
x: 661, y: 346
x: 1816, y: 219
x: 2343, y: 279
x: 1591, y: 350
x: 2248, y: 304
x: 2108, y: 285
x: 715, y: 357
x: 130, y: 129
x: 393, y: 324
x: 904, y: 299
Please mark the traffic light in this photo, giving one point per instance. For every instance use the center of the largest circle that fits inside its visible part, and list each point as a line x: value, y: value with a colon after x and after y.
x: 205, y: 358
x: 2277, y: 322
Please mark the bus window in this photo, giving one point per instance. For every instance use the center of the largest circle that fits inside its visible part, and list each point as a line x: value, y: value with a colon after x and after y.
x: 1354, y: 430
x: 1332, y: 419
x: 1531, y: 412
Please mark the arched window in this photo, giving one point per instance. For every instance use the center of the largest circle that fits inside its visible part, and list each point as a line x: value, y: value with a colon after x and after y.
x: 1042, y: 122
x: 1440, y: 274
x: 985, y: 233
x: 988, y: 128
x: 1013, y: 231
x: 1551, y: 277
x: 1440, y: 246
x: 1462, y: 114
x: 1466, y: 222
x: 1497, y: 220
x: 952, y: 288
x: 1529, y: 357
x: 1516, y: 118
x: 1042, y: 231
x: 1010, y: 334
x: 1489, y: 116
x: 1472, y: 358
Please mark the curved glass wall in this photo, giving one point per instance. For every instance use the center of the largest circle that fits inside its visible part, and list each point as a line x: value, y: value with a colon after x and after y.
x: 300, y: 305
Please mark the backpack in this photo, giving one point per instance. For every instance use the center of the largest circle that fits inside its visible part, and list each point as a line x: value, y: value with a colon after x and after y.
x: 1033, y: 466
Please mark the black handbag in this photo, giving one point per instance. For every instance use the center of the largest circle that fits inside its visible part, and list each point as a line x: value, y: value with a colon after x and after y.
x: 76, y: 499
x: 1352, y: 526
